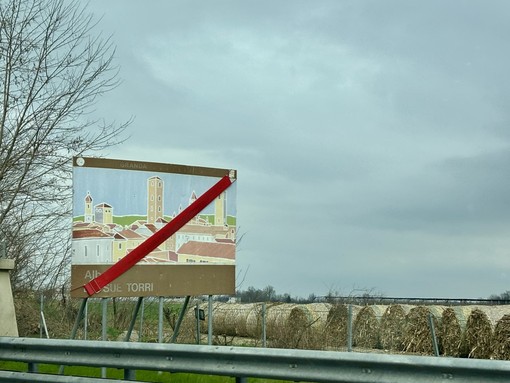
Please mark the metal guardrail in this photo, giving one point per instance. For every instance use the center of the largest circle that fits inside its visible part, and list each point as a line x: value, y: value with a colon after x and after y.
x: 243, y: 362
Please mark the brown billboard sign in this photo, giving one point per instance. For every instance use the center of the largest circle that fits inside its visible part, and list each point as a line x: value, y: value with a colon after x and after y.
x: 118, y: 205
x: 158, y: 280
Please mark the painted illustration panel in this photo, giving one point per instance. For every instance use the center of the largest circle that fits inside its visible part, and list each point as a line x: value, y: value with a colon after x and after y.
x: 118, y: 204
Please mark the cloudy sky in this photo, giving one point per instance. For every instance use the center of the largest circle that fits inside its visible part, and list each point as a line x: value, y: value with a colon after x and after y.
x: 371, y: 138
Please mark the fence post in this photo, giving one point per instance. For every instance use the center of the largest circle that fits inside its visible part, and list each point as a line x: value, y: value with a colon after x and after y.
x: 264, y: 335
x: 85, y: 320
x: 133, y: 319
x: 209, y: 321
x: 160, y: 321
x: 41, y: 319
x: 197, y: 317
x: 349, y: 328
x: 433, y: 334
x: 42, y: 324
x: 104, y: 320
x: 141, y: 321
x: 179, y: 320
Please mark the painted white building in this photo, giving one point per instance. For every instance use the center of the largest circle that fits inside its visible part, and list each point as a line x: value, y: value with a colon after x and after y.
x: 91, y: 246
x: 182, y: 238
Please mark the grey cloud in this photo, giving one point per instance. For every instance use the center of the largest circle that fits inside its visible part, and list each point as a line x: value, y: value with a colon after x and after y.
x: 370, y: 134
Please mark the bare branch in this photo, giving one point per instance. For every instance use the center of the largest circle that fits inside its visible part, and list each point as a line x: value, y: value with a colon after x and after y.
x: 53, y: 69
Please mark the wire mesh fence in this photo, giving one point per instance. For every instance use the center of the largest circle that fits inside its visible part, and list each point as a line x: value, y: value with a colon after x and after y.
x: 475, y: 331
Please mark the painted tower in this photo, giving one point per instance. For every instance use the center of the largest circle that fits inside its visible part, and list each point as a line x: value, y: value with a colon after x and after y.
x: 89, y: 212
x: 192, y: 199
x: 220, y: 210
x: 103, y: 213
x: 154, y: 199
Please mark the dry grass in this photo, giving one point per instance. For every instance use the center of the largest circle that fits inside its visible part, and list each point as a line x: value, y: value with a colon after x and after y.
x: 501, y: 338
x: 310, y: 330
x: 226, y: 318
x: 336, y: 326
x: 392, y: 327
x: 453, y: 330
x: 418, y: 338
x: 279, y: 331
x: 478, y: 335
x: 463, y: 331
x: 480, y: 331
x: 254, y: 320
x: 366, y: 327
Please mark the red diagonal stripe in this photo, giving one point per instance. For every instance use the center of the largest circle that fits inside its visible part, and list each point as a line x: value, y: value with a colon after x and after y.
x: 124, y: 264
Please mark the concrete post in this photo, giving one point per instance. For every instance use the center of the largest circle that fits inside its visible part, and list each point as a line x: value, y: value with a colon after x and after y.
x: 8, y: 324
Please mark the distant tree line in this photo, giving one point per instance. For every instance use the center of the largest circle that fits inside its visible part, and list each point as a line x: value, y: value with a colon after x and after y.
x: 505, y: 296
x: 358, y: 296
x: 267, y: 294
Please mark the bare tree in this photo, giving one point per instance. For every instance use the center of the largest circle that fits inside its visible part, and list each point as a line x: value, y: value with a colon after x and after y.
x: 53, y: 68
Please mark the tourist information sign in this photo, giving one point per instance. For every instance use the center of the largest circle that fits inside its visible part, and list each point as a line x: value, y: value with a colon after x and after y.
x: 158, y: 230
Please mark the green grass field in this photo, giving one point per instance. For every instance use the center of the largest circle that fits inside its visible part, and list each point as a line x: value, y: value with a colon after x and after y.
x: 141, y: 375
x: 129, y: 219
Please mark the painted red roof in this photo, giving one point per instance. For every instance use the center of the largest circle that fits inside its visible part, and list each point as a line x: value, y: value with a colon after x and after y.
x: 128, y: 234
x: 209, y: 249
x: 89, y: 233
x: 104, y: 204
x: 151, y: 227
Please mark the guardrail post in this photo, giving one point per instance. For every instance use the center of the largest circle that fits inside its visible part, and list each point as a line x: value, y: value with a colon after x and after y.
x: 242, y: 379
x: 32, y: 368
x: 129, y: 374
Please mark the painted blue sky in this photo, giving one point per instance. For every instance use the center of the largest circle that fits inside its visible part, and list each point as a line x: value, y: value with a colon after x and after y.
x: 126, y: 190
